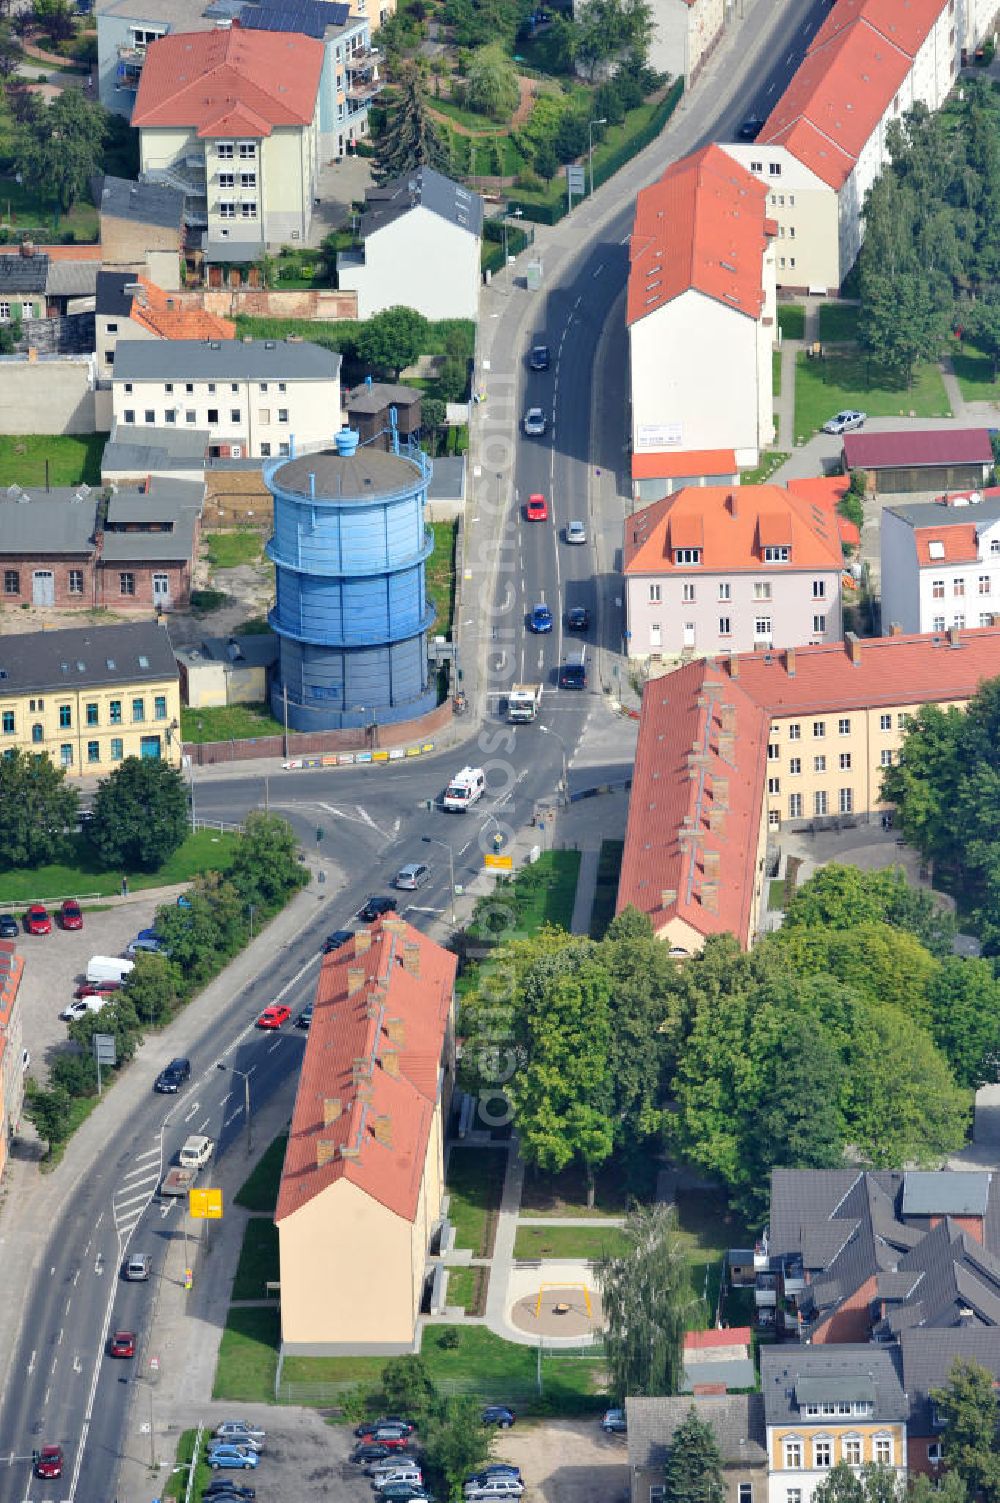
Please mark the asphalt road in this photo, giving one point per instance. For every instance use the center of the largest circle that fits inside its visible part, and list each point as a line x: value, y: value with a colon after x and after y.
x: 62, y: 1387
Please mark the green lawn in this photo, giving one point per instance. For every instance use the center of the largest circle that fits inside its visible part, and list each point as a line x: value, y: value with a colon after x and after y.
x: 467, y: 1287
x: 71, y: 458
x: 975, y: 376
x: 823, y: 387
x: 542, y: 893
x: 475, y: 1180
x: 590, y: 1242
x: 792, y: 320
x: 776, y: 372
x: 776, y: 893
x: 248, y: 1356
x: 771, y: 460
x: 205, y: 851
x: 227, y: 550
x: 707, y: 1224
x: 22, y: 207
x: 229, y: 723
x: 176, y: 1484
x: 838, y: 323
x: 441, y: 576
x: 258, y: 1259
x: 609, y: 865
x: 259, y: 1192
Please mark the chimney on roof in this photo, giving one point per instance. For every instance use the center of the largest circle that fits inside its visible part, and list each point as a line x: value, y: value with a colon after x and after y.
x: 732, y: 504
x: 895, y: 630
x: 355, y: 980
x: 360, y: 1068
x: 710, y: 897
x: 790, y: 661
x: 711, y: 862
x: 668, y: 896
x: 954, y: 637
x: 395, y: 1031
x: 382, y: 1131
x: 366, y: 1093
x: 411, y: 957
x: 348, y: 1151
x: 727, y: 718
x: 727, y: 747
x: 362, y: 941
x: 853, y: 643
x: 393, y: 925
x: 716, y: 820
x: 720, y: 792
x: 734, y: 665
x: 332, y: 1109
x: 325, y: 1151
x: 390, y: 1062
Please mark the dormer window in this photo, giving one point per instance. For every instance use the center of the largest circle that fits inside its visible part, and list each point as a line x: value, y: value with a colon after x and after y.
x: 780, y: 555
x: 687, y: 555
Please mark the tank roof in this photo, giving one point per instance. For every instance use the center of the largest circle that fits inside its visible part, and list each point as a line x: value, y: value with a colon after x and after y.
x: 361, y: 476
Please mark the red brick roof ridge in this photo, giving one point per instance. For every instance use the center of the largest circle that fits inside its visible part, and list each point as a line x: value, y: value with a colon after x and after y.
x: 196, y: 79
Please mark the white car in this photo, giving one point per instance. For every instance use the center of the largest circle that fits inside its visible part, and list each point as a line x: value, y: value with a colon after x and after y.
x: 846, y: 421
x: 81, y: 1008
x: 241, y: 1433
x: 534, y: 422
x: 576, y: 532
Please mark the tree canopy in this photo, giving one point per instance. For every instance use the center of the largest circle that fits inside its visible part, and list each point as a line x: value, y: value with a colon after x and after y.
x: 968, y: 1405
x: 62, y: 147
x: 391, y: 339
x: 140, y: 815
x: 38, y: 809
x: 648, y: 1303
x: 693, y: 1469
x: 409, y: 139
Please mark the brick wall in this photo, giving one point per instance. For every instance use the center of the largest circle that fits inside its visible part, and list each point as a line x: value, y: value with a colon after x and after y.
x: 319, y: 742
x: 852, y: 1320
x: 319, y: 303
x: 59, y: 565
x: 109, y: 591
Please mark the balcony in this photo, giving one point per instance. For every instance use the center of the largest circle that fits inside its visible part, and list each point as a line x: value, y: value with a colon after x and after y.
x: 364, y: 61
x: 128, y: 69
x: 766, y: 1291
x: 363, y: 92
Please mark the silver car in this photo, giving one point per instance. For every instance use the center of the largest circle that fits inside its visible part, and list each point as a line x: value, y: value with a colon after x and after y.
x: 240, y: 1433
x: 846, y: 421
x: 412, y: 876
x: 576, y: 532
x: 534, y: 422
x: 137, y: 1268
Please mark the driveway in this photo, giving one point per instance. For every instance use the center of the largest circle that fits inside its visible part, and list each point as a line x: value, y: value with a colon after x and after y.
x: 568, y: 1461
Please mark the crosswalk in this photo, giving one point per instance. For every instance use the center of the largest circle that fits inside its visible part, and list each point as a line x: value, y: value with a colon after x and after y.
x: 136, y: 1191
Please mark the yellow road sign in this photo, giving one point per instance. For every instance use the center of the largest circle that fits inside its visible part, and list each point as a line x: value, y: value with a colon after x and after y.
x: 498, y: 863
x: 205, y: 1204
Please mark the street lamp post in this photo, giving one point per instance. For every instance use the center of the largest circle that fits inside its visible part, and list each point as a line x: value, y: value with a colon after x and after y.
x: 590, y: 148
x: 548, y: 731
x: 246, y: 1101
x: 429, y: 840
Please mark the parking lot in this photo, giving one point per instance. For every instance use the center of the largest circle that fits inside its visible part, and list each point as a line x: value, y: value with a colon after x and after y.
x: 567, y: 1461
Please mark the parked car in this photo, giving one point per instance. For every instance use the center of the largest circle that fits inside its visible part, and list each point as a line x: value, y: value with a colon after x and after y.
x: 370, y: 1451
x: 122, y: 1344
x: 388, y: 1460
x: 137, y: 1267
x: 223, y: 1486
x: 404, y: 1492
x: 751, y: 128
x: 395, y: 1437
x: 224, y: 1454
x: 71, y: 914
x: 37, y: 920
x: 539, y: 359
x: 274, y: 1016
x: 412, y: 876
x: 500, y: 1415
x: 367, y: 1426
x: 846, y: 421
x: 540, y: 619
x: 494, y: 1469
x: 494, y: 1487
x: 49, y: 1461
x: 97, y: 989
x: 535, y: 423
x: 337, y: 940
x: 613, y: 1422
x: 9, y: 926
x: 305, y: 1017
x: 238, y: 1433
x: 92, y: 1002
x: 374, y: 907
x: 578, y: 618
x: 148, y: 941
x: 170, y: 1079
x: 407, y: 1471
x: 537, y: 509
x: 576, y: 532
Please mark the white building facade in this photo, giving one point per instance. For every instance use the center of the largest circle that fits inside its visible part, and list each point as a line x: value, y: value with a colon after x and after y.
x: 940, y: 565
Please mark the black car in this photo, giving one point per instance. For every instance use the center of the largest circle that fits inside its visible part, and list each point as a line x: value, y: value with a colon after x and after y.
x: 9, y: 926
x: 573, y: 676
x: 375, y: 907
x: 337, y: 940
x: 751, y: 128
x: 578, y: 618
x: 221, y: 1487
x: 170, y: 1080
x: 305, y: 1017
x: 499, y: 1415
x: 371, y: 1450
x: 539, y: 359
x: 399, y: 1420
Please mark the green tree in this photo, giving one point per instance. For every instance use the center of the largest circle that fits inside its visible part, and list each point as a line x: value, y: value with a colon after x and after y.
x: 456, y: 1443
x: 50, y: 1112
x: 838, y: 897
x: 37, y: 810
x: 546, y: 161
x: 692, y: 1472
x: 140, y: 815
x: 407, y: 1386
x: 492, y: 88
x: 75, y: 1072
x: 947, y: 1488
x: 432, y: 418
x: 644, y: 1000
x: 872, y: 1484
x: 63, y: 148
x: 607, y: 30
x: 963, y: 1001
x: 409, y: 138
x: 392, y: 339
x: 266, y: 866
x: 11, y: 52
x: 153, y: 988
x: 968, y: 1405
x: 903, y: 1103
x: 56, y: 19
x: 212, y: 925
x: 924, y: 783
x: 648, y: 1303
x: 981, y: 324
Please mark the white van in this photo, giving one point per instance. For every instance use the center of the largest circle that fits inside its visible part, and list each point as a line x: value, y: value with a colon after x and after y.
x: 410, y: 1474
x: 494, y: 1487
x: 108, y: 968
x: 465, y: 788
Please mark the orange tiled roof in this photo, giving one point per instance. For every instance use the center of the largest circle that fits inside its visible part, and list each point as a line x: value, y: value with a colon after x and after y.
x: 699, y: 1341
x: 395, y: 1023
x: 702, y: 226
x: 165, y: 315
x: 678, y: 464
x: 960, y: 545
x: 11, y: 971
x: 732, y: 523
x: 229, y: 81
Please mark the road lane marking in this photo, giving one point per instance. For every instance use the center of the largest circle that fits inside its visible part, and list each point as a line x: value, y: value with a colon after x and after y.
x: 191, y: 1112
x: 31, y: 1364
x: 275, y: 1045
x: 77, y: 1364
x: 76, y: 1278
x: 203, y: 1125
x: 68, y: 1303
x: 229, y: 1120
x: 135, y: 1174
x: 99, y: 1264
x: 60, y: 1336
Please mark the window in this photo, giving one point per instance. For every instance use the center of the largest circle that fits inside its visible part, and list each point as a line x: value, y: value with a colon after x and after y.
x: 655, y: 595
x: 725, y: 592
x: 128, y: 386
x: 795, y: 731
x: 883, y: 1450
x: 112, y: 328
x: 8, y: 722
x: 984, y: 584
x: 224, y: 150
x: 248, y: 179
x: 265, y: 451
x: 885, y: 722
x: 12, y: 582
x: 886, y: 758
x: 774, y: 169
x: 170, y: 415
x: 795, y: 766
x: 213, y: 415
x: 819, y: 624
x: 937, y: 624
x: 958, y: 622
x: 76, y: 581
x: 725, y: 626
x: 227, y: 180
x: 819, y: 729
x: 985, y: 618
x: 852, y: 1450
x: 262, y: 386
x: 234, y: 415
x: 36, y: 704
x: 937, y: 589
x: 687, y: 555
x: 819, y: 764
x: 168, y: 386
x: 189, y: 387
x: 138, y: 711
x: 820, y: 807
x: 27, y: 310
x: 150, y: 417
x: 37, y: 734
x: 687, y: 592
x: 773, y: 751
x: 282, y: 414
x: 115, y: 712
x: 846, y: 801
x: 248, y: 150
x: 160, y: 707
x: 65, y: 717
x: 282, y: 386
x: 843, y: 727
x: 792, y: 1445
x: 777, y: 555
x: 5, y: 311
x: 795, y: 812
x: 762, y: 589
x: 995, y: 545
x: 774, y: 818
x: 845, y: 761
x: 934, y: 1452
x: 958, y: 587
x: 762, y: 628
x: 745, y: 1493
x: 284, y: 450
x: 66, y: 755
x: 129, y: 415
x: 126, y: 582
x: 793, y: 1495
x: 93, y: 751
x: 211, y: 388
x: 264, y: 416
x: 656, y: 1493
x: 227, y: 208
x: 819, y: 589
x: 190, y: 416
x: 756, y: 166
x: 117, y: 748
x: 248, y: 211
x: 774, y: 785
x: 93, y: 717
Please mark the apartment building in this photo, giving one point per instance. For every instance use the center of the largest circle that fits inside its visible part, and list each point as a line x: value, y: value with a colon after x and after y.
x: 940, y: 563
x: 701, y: 316
x: 732, y: 751
x: 685, y: 32
x: 88, y: 697
x: 133, y: 307
x: 255, y: 398
x: 731, y: 568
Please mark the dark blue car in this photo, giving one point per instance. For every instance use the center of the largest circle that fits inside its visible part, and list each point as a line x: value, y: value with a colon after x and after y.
x: 540, y: 619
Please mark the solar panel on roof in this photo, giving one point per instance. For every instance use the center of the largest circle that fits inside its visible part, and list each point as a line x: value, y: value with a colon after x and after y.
x: 310, y: 17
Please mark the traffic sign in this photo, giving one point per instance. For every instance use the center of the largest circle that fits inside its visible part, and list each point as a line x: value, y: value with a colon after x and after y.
x: 205, y: 1204
x: 498, y: 863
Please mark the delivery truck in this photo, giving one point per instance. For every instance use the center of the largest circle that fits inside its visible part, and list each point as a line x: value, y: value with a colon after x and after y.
x: 523, y: 702
x: 182, y: 1176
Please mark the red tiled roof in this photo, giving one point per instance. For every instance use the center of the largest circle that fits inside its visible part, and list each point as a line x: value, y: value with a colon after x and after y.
x: 11, y: 971
x: 165, y: 315
x: 921, y: 446
x: 395, y: 1023
x: 698, y: 1341
x: 905, y: 23
x: 702, y: 227
x: 59, y: 252
x: 229, y: 81
x: 679, y: 465
x: 732, y: 523
x: 959, y: 545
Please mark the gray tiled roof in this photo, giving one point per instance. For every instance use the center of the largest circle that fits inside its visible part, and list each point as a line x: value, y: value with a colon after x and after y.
x: 830, y: 1372
x: 945, y: 1192
x: 223, y: 359
x: 175, y: 502
x: 927, y: 1357
x: 250, y: 650
x: 112, y: 299
x: 22, y: 274
x: 71, y: 278
x: 145, y: 203
x: 429, y: 190
x: 86, y: 657
x: 737, y: 1421
x: 734, y: 1373
x: 370, y: 399
x: 47, y: 524
x: 136, y: 450
x: 935, y: 514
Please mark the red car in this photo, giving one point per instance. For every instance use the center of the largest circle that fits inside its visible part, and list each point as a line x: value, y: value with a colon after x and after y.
x: 71, y: 915
x: 37, y: 920
x: 97, y: 989
x: 537, y: 509
x: 274, y: 1016
x: 122, y: 1344
x: 49, y: 1462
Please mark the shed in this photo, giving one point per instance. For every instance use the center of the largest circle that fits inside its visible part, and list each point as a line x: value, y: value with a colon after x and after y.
x: 921, y: 459
x: 369, y: 408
